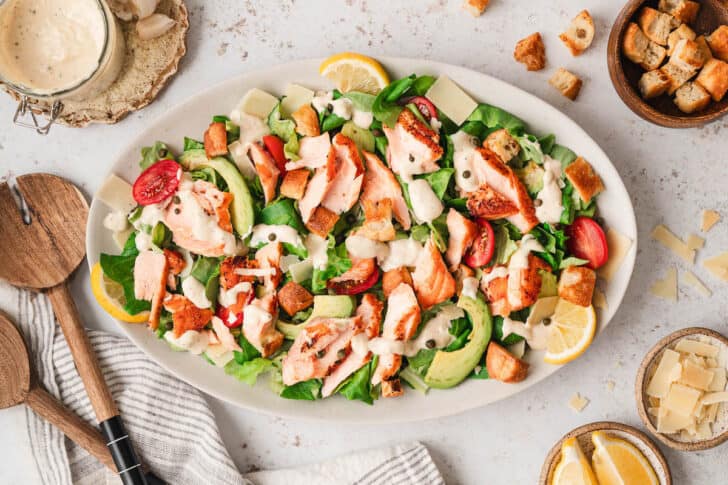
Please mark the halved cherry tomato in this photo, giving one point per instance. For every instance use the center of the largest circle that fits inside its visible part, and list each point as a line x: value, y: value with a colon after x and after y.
x: 427, y: 109
x: 274, y: 145
x: 362, y: 276
x: 156, y: 183
x: 482, y: 249
x: 587, y: 241
x: 223, y: 313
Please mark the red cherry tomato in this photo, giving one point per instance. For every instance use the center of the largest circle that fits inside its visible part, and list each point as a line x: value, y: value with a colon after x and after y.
x: 223, y: 313
x: 354, y: 288
x: 482, y: 249
x: 156, y: 183
x: 427, y: 109
x: 274, y: 145
x: 587, y: 241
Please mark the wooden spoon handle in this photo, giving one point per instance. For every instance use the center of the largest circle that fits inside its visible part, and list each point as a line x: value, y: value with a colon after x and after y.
x: 83, y: 355
x: 82, y: 433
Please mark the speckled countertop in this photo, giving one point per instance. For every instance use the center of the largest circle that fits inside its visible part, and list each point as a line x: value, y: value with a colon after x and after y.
x: 671, y: 176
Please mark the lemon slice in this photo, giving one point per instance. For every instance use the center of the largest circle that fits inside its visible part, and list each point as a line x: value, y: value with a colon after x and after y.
x: 350, y: 71
x: 618, y: 462
x: 110, y: 295
x: 573, y: 468
x: 570, y: 333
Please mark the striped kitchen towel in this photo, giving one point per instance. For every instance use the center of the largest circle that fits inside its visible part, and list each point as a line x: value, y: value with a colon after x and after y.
x: 169, y: 422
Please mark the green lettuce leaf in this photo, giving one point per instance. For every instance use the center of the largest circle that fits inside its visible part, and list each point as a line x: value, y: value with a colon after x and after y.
x: 121, y: 269
x: 440, y: 180
x: 248, y: 371
x: 282, y: 212
x: 385, y: 108
x: 153, y: 154
x: 207, y: 271
x: 306, y: 390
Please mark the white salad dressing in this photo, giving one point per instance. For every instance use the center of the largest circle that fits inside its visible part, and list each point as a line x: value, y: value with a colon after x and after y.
x: 148, y: 218
x: 549, y: 208
x: 343, y: 108
x: 425, y: 203
x: 435, y: 124
x: 195, y: 292
x: 360, y: 344
x: 402, y: 252
x: 252, y: 129
x: 534, y: 331
x: 230, y: 296
x: 519, y: 261
x: 192, y: 341
x: 322, y: 100
x: 470, y: 287
x: 464, y: 151
x: 255, y: 317
x: 317, y: 248
x: 264, y: 233
x: 116, y: 221
x: 362, y: 119
x: 362, y: 247
x: 287, y: 261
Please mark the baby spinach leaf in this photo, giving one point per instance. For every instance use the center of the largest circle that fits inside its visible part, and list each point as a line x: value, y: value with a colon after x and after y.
x: 282, y: 212
x: 385, y: 107
x: 420, y: 362
x: 207, y: 271
x: 422, y: 84
x: 306, y: 390
x: 440, y: 180
x: 361, y: 101
x: 247, y: 352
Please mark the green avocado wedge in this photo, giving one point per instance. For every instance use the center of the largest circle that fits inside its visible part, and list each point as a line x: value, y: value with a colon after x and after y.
x: 241, y: 209
x: 448, y: 369
x: 332, y: 306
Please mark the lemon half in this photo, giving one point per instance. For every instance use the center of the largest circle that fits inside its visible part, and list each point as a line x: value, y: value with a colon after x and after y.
x: 350, y: 71
x: 570, y: 333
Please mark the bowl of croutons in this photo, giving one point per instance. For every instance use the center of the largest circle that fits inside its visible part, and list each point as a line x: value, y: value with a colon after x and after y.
x: 668, y: 60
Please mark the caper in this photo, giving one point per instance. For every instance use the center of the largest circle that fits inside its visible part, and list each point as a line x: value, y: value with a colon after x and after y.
x: 538, y: 202
x: 176, y: 210
x: 546, y: 321
x: 320, y: 354
x: 341, y: 353
x: 176, y: 199
x: 580, y: 33
x: 411, y: 158
x: 272, y: 236
x: 430, y: 344
x: 466, y: 174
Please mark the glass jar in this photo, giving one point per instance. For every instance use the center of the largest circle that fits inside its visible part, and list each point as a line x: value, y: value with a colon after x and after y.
x: 53, y: 50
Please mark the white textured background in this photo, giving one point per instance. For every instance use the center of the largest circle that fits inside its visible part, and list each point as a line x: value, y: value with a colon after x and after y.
x: 671, y: 176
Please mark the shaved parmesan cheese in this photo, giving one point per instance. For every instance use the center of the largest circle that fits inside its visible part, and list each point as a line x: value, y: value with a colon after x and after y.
x: 663, y: 235
x: 714, y: 398
x: 693, y: 281
x: 599, y: 299
x: 666, y: 288
x: 518, y: 349
x: 681, y: 399
x: 116, y: 193
x: 577, y: 402
x: 295, y: 97
x: 671, y: 422
x: 694, y: 241
x: 120, y: 237
x: 256, y: 102
x: 618, y: 245
x: 710, y: 218
x: 610, y: 385
x: 696, y: 376
x: 698, y: 348
x: 449, y: 98
x: 718, y: 265
x: 719, y: 379
x: 659, y: 385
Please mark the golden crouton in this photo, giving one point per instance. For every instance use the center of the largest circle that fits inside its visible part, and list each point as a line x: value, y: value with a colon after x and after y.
x: 377, y: 220
x: 691, y: 97
x: 582, y: 176
x: 504, y: 366
x: 307, y: 122
x: 531, y: 52
x: 502, y: 144
x: 475, y: 7
x: 392, y: 388
x: 322, y: 221
x: 580, y: 34
x: 682, y: 32
x: 714, y: 78
x: 656, y: 25
x: 683, y: 10
x: 293, y: 298
x: 635, y: 43
x: 393, y: 278
x: 568, y: 83
x: 294, y: 183
x: 718, y: 42
x: 576, y: 285
x: 216, y: 140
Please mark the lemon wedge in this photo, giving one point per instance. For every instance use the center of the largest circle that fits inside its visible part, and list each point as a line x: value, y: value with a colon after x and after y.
x: 350, y: 71
x: 110, y: 295
x: 570, y: 333
x: 618, y: 462
x: 573, y: 468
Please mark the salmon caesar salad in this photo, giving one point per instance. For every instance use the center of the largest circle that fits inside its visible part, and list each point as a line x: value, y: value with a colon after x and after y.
x: 368, y: 240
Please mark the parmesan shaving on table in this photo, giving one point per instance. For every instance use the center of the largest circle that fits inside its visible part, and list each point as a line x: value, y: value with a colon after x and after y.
x: 666, y: 288
x: 577, y: 403
x: 692, y: 280
x: 710, y: 218
x: 694, y: 241
x: 618, y: 245
x: 663, y: 235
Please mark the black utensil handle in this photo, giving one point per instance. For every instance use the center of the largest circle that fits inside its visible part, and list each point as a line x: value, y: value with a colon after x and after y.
x: 125, y: 458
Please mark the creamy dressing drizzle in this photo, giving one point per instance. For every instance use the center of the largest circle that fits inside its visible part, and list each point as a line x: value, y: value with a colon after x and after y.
x: 519, y: 261
x: 116, y: 221
x: 343, y: 108
x: 195, y: 292
x: 425, y: 203
x: 402, y: 252
x: 464, y: 148
x: 470, y: 287
x: 549, y: 208
x: 317, y: 250
x: 263, y: 234
x: 534, y: 331
x: 362, y: 247
x: 192, y: 341
x: 230, y: 296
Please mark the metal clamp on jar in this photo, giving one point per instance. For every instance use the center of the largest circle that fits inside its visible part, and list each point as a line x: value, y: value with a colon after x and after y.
x: 52, y: 50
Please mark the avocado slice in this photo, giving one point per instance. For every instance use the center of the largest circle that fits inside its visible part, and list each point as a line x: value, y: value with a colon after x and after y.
x: 549, y: 284
x: 532, y: 176
x: 241, y: 209
x: 333, y: 306
x: 448, y: 369
x: 361, y: 137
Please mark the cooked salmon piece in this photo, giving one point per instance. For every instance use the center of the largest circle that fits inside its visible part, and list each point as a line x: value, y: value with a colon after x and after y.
x: 379, y: 184
x: 294, y: 183
x: 504, y: 366
x: 267, y: 170
x: 307, y: 121
x: 294, y: 298
x: 215, y: 140
x: 318, y: 186
x: 150, y: 282
x: 361, y: 272
x: 489, y: 204
x: 432, y: 280
x: 313, y: 151
x: 377, y: 220
x: 175, y: 264
x: 322, y: 221
x: 269, y: 256
x: 344, y: 190
x: 259, y: 326
x: 392, y: 388
x: 322, y: 345
x: 393, y: 278
x: 576, y: 285
x: 499, y: 177
x: 228, y: 267
x: 414, y: 147
x: 501, y: 300
x: 463, y: 232
x: 214, y: 202
x: 224, y: 335
x: 400, y: 323
x: 186, y: 315
x: 351, y: 363
x: 370, y: 310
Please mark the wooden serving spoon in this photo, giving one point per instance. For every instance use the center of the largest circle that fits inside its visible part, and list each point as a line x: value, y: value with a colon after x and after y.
x: 20, y: 385
x: 40, y: 254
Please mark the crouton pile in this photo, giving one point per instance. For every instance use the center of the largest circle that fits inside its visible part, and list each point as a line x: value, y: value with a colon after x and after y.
x: 677, y: 61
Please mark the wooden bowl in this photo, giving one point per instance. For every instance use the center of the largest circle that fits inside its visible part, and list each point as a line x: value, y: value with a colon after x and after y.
x: 641, y: 385
x: 628, y: 433
x: 626, y: 75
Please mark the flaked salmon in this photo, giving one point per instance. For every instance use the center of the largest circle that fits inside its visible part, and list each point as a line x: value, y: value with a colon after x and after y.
x: 414, y: 147
x: 313, y: 152
x: 318, y: 186
x: 150, y: 282
x: 379, y: 184
x: 504, y: 296
x: 259, y: 325
x: 267, y: 170
x: 432, y: 280
x: 370, y: 310
x: 462, y: 232
x: 186, y: 315
x: 269, y: 256
x: 344, y: 190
